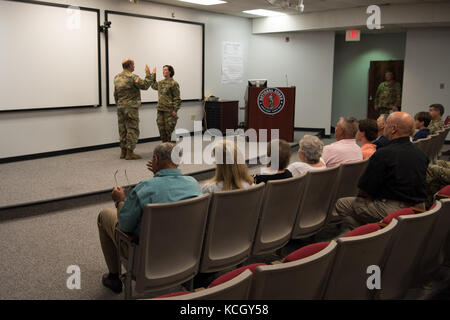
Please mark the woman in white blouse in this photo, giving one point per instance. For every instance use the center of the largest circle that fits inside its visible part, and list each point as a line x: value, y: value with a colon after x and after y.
x: 229, y: 176
x: 309, y: 152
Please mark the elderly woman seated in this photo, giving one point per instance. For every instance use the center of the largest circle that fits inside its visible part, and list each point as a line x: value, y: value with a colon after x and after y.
x: 309, y: 153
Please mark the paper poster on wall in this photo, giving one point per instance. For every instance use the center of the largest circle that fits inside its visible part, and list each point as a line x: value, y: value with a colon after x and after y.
x: 232, y: 62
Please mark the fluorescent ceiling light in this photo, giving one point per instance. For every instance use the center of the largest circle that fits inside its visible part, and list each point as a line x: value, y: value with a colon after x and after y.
x: 265, y: 13
x: 205, y: 2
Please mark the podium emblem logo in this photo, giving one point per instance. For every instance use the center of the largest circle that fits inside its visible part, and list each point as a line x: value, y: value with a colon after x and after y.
x: 271, y: 101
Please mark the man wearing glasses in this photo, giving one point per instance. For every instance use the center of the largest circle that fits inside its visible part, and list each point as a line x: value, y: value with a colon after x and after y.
x: 167, y: 185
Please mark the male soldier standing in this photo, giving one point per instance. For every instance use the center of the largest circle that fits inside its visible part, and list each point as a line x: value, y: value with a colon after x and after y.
x: 168, y: 102
x: 389, y: 95
x: 127, y: 94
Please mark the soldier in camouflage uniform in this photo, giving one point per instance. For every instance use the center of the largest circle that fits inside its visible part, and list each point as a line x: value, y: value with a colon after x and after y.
x: 168, y: 102
x: 389, y: 95
x: 436, y: 112
x: 127, y: 93
x: 438, y: 176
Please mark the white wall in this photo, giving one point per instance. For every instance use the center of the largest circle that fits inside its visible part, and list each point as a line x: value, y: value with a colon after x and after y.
x: 307, y: 60
x: 426, y: 67
x: 30, y: 132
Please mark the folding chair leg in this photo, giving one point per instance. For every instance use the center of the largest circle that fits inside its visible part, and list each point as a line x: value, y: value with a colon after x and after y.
x: 128, y: 290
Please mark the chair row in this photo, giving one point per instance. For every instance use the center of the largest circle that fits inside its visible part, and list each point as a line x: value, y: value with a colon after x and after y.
x: 212, y: 233
x: 432, y: 144
x: 400, y: 252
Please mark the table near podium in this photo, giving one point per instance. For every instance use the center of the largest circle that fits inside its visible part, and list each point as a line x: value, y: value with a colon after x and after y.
x: 271, y: 108
x: 222, y: 115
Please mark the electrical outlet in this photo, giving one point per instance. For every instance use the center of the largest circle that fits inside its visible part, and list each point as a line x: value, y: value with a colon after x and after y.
x: 193, y: 117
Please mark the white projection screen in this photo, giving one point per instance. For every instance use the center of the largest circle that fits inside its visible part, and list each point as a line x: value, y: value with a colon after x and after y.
x: 156, y: 42
x: 49, y: 56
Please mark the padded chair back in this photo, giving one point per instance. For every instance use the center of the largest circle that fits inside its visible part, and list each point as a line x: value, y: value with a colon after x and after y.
x: 348, y: 278
x: 278, y: 211
x: 170, y: 243
x: 435, y: 145
x: 404, y: 252
x: 314, y: 207
x: 348, y: 177
x: 301, y: 279
x: 424, y: 145
x: 231, y: 227
x: 431, y: 259
x: 235, y: 289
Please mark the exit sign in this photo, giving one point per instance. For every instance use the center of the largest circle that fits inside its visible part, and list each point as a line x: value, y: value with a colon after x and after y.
x: 352, y: 35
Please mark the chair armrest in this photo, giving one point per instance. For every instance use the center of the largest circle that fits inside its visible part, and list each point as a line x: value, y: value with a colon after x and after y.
x: 418, y: 210
x: 440, y: 196
x: 276, y: 262
x: 199, y: 289
x: 129, y: 238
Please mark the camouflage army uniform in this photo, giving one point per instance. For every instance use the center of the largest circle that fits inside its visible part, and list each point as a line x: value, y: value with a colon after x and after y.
x: 127, y: 94
x: 388, y: 95
x: 435, y: 126
x: 438, y: 176
x: 168, y: 101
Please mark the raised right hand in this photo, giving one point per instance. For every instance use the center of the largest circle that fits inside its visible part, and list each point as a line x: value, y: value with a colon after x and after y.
x: 154, y: 70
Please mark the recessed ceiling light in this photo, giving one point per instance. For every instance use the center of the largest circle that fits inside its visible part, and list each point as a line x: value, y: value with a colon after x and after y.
x: 264, y: 13
x: 205, y: 2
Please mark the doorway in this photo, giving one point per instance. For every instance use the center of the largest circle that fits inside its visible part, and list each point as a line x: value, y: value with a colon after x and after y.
x: 376, y: 76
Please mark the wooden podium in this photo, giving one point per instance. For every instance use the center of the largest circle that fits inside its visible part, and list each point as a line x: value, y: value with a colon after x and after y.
x: 271, y: 108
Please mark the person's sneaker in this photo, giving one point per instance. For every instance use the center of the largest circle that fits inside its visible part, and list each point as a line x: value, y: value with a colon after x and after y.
x: 115, y: 284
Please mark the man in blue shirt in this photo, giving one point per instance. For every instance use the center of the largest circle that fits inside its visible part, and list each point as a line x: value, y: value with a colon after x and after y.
x: 422, y: 119
x: 167, y: 185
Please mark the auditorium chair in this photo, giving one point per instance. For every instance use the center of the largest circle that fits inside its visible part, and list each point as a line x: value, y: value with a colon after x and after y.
x: 356, y: 251
x: 169, y: 248
x: 404, y: 252
x: 432, y: 257
x: 237, y: 288
x: 314, y: 209
x: 436, y: 140
x: 231, y: 227
x: 302, y: 276
x: 424, y: 145
x: 348, y: 177
x: 278, y: 212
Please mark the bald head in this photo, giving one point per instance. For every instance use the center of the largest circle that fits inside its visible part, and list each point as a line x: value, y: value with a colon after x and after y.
x: 128, y: 63
x: 398, y: 125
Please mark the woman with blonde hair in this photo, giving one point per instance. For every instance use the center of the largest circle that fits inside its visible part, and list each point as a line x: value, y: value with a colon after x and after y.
x: 231, y: 170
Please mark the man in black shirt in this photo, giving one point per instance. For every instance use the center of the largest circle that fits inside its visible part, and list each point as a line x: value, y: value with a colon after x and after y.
x: 394, y: 178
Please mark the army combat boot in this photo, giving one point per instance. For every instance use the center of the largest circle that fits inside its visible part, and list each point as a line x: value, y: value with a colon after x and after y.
x: 132, y: 156
x: 123, y: 153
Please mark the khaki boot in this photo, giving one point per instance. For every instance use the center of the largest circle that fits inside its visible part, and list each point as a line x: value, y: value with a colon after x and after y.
x: 123, y: 153
x: 132, y: 156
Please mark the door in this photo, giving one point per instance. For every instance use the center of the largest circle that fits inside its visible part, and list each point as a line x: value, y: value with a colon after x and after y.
x: 376, y: 76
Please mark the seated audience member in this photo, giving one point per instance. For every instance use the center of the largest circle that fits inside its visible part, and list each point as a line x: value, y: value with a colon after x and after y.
x: 229, y: 176
x: 438, y: 176
x: 394, y: 178
x: 436, y: 113
x: 367, y: 132
x: 381, y: 141
x: 422, y: 121
x: 284, y: 155
x: 345, y: 148
x: 309, y: 152
x: 167, y: 185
